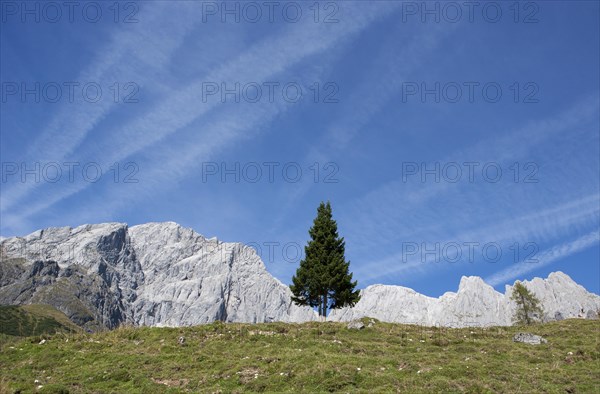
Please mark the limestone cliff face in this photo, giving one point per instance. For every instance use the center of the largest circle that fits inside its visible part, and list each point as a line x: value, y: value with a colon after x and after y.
x: 161, y: 274
x: 153, y: 274
x: 475, y: 304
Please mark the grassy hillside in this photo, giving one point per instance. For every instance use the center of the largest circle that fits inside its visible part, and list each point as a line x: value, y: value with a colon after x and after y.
x: 311, y: 357
x: 27, y: 320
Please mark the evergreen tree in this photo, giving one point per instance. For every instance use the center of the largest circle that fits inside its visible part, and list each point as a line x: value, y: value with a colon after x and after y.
x: 528, y: 306
x: 323, y: 279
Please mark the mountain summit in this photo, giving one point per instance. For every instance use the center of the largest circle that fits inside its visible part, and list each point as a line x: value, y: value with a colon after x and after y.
x: 161, y: 274
x: 156, y: 274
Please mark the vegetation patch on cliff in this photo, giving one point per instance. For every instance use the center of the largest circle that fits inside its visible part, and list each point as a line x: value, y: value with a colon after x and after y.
x: 30, y: 320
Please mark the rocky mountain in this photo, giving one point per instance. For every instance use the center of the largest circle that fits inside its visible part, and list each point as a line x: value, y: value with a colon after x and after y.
x: 157, y: 274
x: 161, y: 274
x: 474, y: 304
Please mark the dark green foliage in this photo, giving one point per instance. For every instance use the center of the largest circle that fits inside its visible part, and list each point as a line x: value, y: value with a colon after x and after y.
x: 528, y: 306
x: 324, y: 279
x: 17, y: 321
x: 32, y: 320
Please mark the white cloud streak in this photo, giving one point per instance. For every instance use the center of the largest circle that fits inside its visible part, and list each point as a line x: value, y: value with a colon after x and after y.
x: 179, y: 109
x: 534, y: 227
x: 399, y: 209
x: 140, y: 45
x: 545, y: 258
x: 391, y: 68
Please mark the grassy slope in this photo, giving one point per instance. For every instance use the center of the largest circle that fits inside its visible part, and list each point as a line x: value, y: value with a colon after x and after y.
x: 311, y: 357
x: 30, y: 320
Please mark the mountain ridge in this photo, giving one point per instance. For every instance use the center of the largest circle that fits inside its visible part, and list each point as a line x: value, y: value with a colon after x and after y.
x: 163, y: 274
x: 475, y: 303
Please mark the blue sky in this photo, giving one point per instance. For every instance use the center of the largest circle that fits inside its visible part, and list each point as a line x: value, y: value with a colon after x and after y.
x: 467, y: 145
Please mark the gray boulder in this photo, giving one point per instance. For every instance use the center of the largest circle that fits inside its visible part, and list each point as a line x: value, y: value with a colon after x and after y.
x: 558, y: 316
x: 525, y: 337
x: 356, y: 325
x: 591, y: 315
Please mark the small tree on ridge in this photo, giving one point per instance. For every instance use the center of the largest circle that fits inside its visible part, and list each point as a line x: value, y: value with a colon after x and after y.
x: 528, y: 306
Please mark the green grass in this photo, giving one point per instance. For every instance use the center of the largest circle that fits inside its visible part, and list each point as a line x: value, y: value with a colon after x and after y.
x: 310, y: 357
x: 28, y: 320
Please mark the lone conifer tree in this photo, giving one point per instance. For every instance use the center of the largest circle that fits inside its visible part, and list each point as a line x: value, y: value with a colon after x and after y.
x: 528, y: 306
x: 323, y: 279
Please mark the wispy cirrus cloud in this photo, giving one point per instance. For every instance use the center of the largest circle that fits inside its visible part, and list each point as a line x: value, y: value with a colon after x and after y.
x: 176, y: 110
x: 545, y: 258
x: 389, y: 70
x: 544, y: 226
x: 130, y: 48
x: 413, y: 208
x: 540, y: 212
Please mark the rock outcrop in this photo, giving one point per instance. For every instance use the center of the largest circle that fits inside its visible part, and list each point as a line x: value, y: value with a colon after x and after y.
x: 161, y: 274
x: 475, y: 304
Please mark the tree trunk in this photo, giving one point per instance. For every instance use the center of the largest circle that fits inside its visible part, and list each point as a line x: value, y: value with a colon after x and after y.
x: 325, y: 305
x: 526, y: 310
